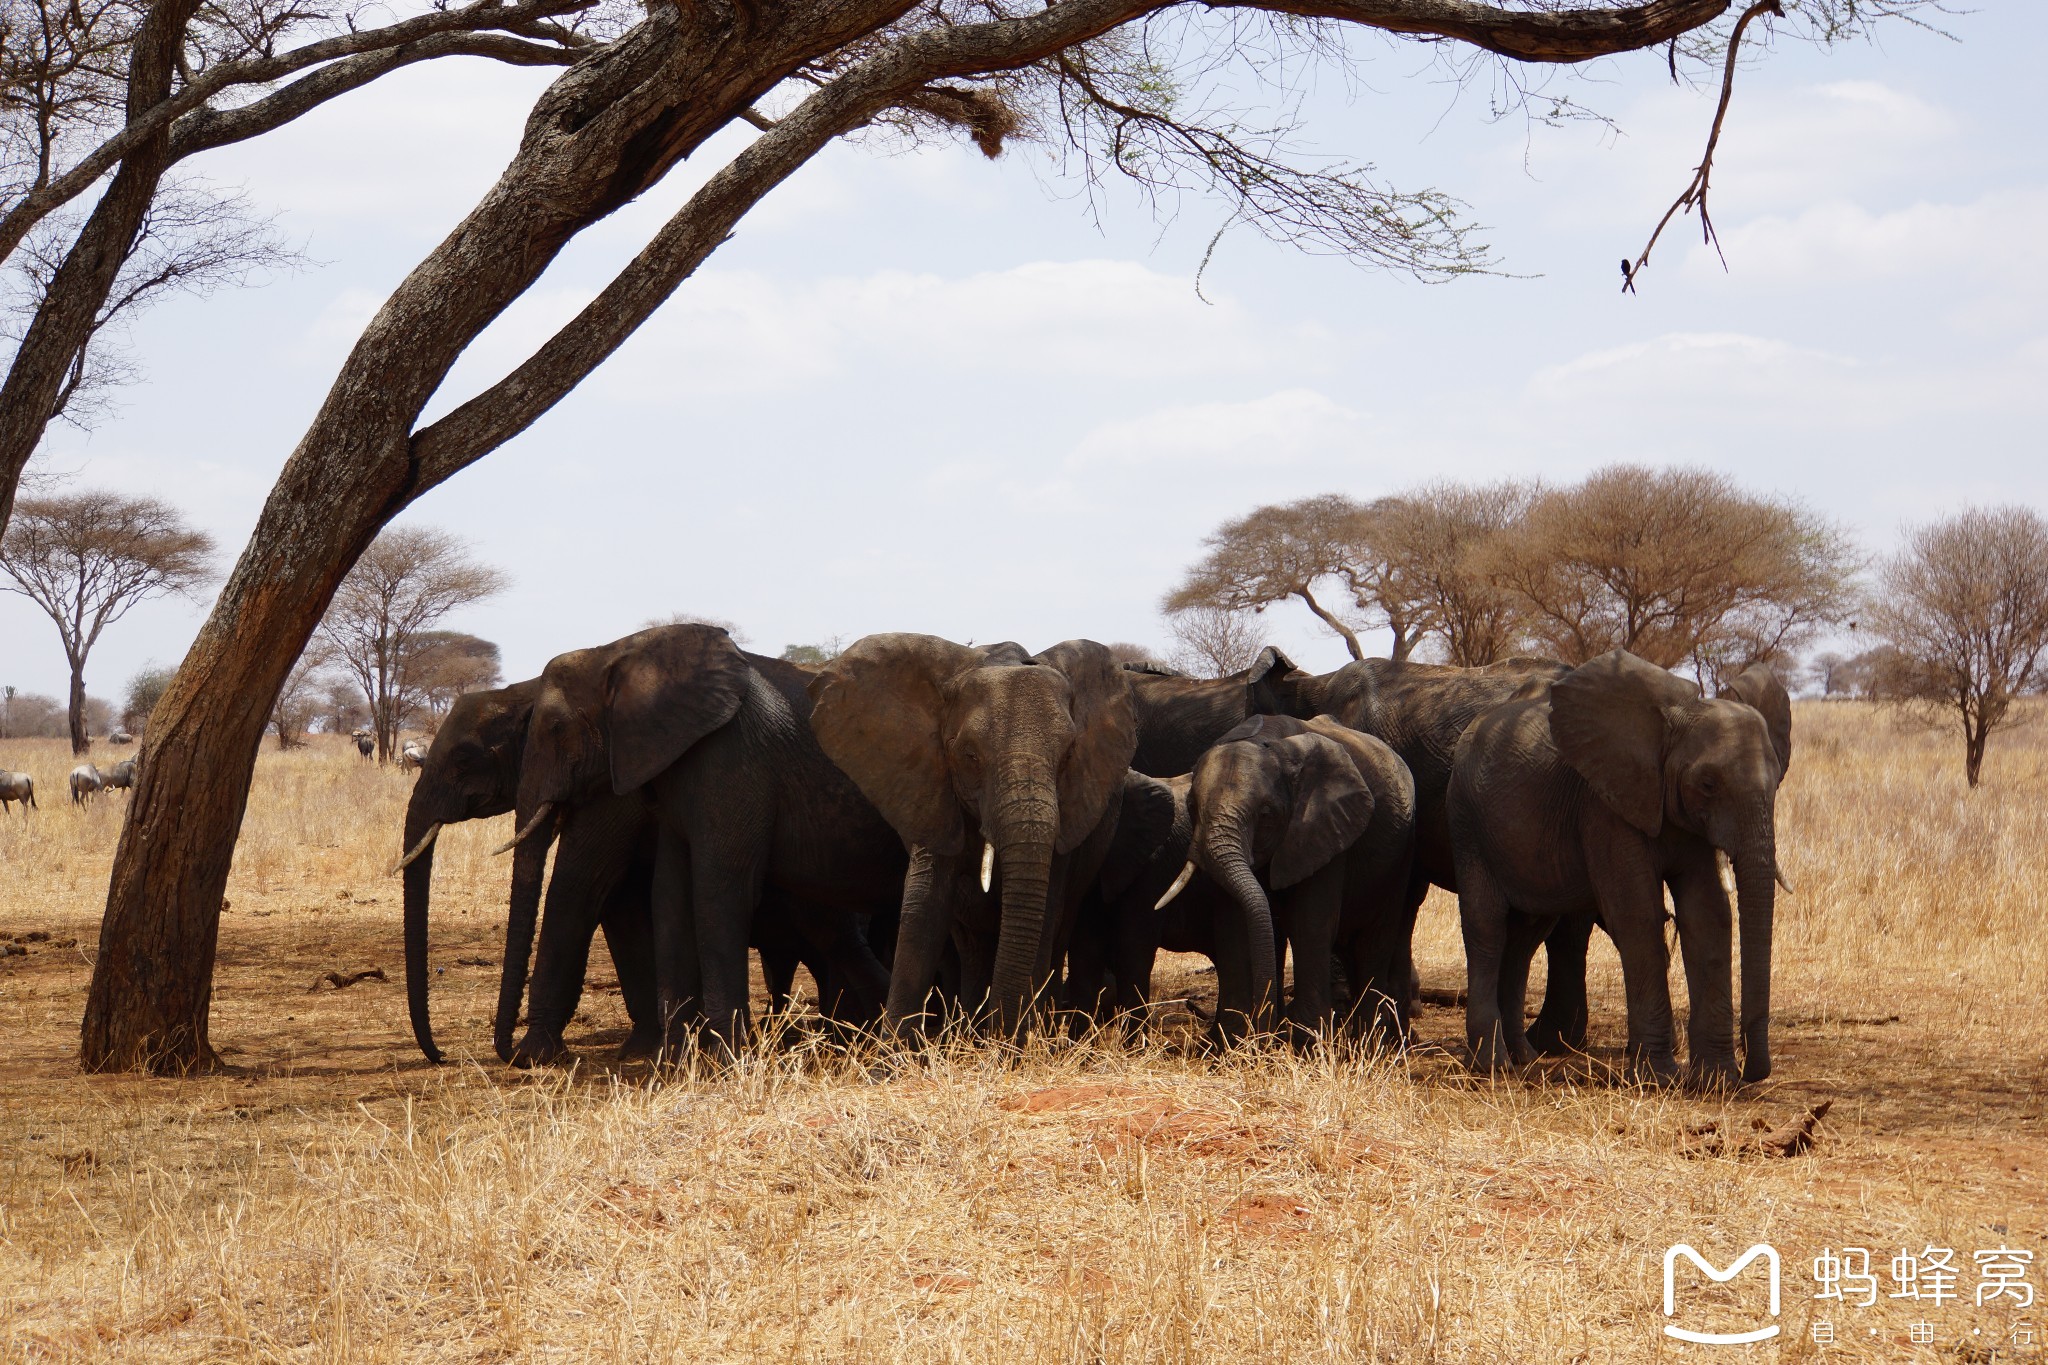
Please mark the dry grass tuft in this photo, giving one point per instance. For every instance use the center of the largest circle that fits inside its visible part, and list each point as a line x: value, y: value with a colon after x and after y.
x: 334, y: 1198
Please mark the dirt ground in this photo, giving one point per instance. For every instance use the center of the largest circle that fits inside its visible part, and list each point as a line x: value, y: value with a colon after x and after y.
x: 331, y: 1196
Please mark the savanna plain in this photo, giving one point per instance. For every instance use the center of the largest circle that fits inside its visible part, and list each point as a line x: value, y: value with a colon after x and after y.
x: 330, y: 1196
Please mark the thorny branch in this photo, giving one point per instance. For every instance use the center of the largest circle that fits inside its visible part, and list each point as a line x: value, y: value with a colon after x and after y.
x: 1695, y: 194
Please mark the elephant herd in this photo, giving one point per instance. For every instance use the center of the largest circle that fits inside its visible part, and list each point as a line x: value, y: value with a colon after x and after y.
x: 939, y: 830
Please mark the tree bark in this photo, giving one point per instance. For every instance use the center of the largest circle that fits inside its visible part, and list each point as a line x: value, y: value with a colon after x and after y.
x: 1350, y: 636
x: 80, y: 740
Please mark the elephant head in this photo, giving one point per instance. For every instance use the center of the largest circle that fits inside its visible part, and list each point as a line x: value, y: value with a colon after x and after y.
x: 958, y: 747
x: 1656, y: 753
x: 606, y: 720
x: 470, y: 773
x: 1276, y: 799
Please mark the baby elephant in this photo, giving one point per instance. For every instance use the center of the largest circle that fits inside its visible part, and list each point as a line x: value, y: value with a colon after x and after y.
x: 121, y: 775
x: 17, y: 787
x: 85, y: 783
x: 1307, y: 829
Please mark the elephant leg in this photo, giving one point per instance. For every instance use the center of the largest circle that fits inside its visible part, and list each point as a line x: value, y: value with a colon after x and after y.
x: 1705, y: 930
x: 1087, y: 995
x: 566, y: 928
x: 1378, y: 962
x: 1134, y: 930
x: 1632, y: 907
x: 1525, y: 932
x: 852, y: 983
x: 724, y: 894
x: 1310, y: 912
x: 1561, y: 1024
x: 628, y: 925
x: 1483, y: 918
x: 678, y: 975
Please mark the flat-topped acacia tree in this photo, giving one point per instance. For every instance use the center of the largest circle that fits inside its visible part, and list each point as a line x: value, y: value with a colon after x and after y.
x: 1106, y: 80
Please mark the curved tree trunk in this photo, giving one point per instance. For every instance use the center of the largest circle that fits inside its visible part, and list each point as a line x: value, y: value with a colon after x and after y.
x: 1756, y: 892
x: 419, y: 880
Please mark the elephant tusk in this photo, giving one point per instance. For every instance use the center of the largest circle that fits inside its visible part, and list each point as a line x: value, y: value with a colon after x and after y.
x: 1187, y: 874
x: 547, y: 808
x: 426, y: 842
x: 988, y: 864
x: 1780, y: 877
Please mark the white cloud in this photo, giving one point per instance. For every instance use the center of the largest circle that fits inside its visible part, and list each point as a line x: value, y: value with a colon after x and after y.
x: 1287, y: 427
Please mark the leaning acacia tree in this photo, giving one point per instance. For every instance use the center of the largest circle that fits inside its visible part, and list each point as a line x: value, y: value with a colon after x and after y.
x: 1107, y: 80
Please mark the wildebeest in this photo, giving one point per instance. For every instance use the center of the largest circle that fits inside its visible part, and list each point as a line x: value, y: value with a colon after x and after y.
x: 17, y: 787
x: 412, y: 753
x: 365, y: 745
x: 85, y: 783
x: 120, y: 737
x: 121, y: 775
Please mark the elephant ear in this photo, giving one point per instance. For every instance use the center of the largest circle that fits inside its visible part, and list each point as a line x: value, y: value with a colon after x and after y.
x: 1105, y: 738
x: 1607, y: 717
x: 665, y: 689
x: 1758, y: 687
x: 1332, y: 807
x: 876, y: 713
x: 1144, y: 826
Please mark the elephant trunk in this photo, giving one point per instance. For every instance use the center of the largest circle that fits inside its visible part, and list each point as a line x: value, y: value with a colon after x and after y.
x: 419, y: 878
x: 1023, y: 828
x: 1227, y: 853
x: 529, y: 863
x: 1756, y: 891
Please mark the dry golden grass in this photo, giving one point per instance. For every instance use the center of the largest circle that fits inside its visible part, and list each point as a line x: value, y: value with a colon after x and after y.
x: 333, y: 1198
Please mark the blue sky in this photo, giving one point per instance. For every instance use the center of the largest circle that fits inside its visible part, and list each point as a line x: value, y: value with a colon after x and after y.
x: 926, y: 391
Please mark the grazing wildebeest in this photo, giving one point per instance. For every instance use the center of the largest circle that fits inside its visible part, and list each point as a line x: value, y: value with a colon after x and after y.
x: 85, y: 783
x: 120, y: 737
x: 412, y: 753
x: 17, y: 787
x: 121, y: 775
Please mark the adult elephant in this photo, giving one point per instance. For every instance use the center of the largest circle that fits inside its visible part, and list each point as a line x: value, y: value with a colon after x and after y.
x: 1418, y: 710
x: 679, y: 729
x: 1618, y: 782
x: 471, y: 772
x: 994, y: 754
x: 1179, y: 717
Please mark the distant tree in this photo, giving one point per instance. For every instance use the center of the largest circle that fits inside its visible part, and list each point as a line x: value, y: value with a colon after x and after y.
x: 817, y: 655
x: 1214, y: 642
x: 342, y: 707
x: 1964, y: 608
x: 31, y: 715
x: 409, y: 578
x: 686, y: 618
x: 99, y: 716
x: 1435, y: 542
x: 1124, y: 652
x: 1289, y: 550
x: 7, y: 695
x: 1677, y: 566
x: 298, y: 701
x: 86, y: 558
x: 444, y: 665
x: 144, y: 688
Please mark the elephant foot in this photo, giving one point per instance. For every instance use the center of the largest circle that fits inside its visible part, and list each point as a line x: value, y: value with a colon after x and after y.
x: 1711, y: 1078
x: 1654, y: 1069
x: 640, y: 1045
x: 1554, y: 1037
x: 537, y: 1050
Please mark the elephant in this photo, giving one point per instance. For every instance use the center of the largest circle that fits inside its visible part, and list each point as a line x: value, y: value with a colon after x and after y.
x: 1325, y: 815
x: 1418, y: 710
x: 673, y: 729
x: 992, y: 753
x: 1620, y: 781
x: 1179, y: 716
x: 86, y: 783
x: 121, y: 776
x: 17, y: 787
x: 471, y: 772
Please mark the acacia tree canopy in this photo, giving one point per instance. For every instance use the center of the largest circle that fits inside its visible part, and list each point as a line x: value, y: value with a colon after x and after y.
x: 1107, y: 80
